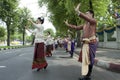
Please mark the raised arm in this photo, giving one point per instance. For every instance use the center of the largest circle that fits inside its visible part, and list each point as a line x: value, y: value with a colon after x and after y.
x: 91, y: 20
x: 82, y: 15
x: 28, y: 29
x: 34, y: 24
x: 74, y: 26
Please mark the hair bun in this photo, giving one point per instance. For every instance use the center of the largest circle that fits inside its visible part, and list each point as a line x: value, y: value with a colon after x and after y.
x: 41, y: 18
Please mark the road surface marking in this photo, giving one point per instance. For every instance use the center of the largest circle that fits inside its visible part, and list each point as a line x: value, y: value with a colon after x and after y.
x: 2, y: 66
x: 21, y: 54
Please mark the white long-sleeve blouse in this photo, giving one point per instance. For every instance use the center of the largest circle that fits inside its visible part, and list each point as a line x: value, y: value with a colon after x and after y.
x: 38, y: 32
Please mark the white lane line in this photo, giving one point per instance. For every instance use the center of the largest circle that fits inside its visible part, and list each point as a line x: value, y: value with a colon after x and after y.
x: 2, y: 66
x: 12, y: 51
x: 8, y: 52
x: 22, y: 55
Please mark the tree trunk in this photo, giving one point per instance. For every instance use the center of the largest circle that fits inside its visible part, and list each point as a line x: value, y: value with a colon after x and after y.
x: 8, y: 36
x: 23, y: 35
x: 90, y: 3
x: 8, y: 32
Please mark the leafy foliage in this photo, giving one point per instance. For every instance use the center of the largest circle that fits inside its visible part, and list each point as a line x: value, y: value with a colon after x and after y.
x: 14, y: 17
x: 8, y: 12
x: 64, y: 9
x: 2, y: 33
x: 49, y: 30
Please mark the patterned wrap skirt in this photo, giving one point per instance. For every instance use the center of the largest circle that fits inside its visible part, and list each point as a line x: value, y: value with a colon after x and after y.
x: 49, y: 49
x: 39, y: 60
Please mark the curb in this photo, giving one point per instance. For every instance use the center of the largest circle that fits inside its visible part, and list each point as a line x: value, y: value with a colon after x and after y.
x: 106, y: 65
x: 13, y: 47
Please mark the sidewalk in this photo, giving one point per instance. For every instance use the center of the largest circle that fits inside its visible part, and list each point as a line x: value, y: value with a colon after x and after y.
x: 106, y: 58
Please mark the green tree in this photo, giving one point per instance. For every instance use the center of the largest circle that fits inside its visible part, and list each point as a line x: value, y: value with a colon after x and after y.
x: 28, y: 38
x: 50, y: 30
x: 64, y: 9
x: 24, y: 15
x: 2, y: 33
x: 8, y: 12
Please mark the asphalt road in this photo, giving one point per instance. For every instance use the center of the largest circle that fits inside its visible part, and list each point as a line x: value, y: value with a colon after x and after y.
x: 16, y: 64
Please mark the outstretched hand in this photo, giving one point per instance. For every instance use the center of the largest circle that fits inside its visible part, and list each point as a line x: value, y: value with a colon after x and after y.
x: 77, y: 8
x: 29, y: 20
x: 66, y: 22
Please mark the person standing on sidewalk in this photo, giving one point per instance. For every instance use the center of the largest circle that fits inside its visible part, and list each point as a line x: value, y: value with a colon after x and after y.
x: 72, y: 48
x: 89, y: 41
x: 39, y: 60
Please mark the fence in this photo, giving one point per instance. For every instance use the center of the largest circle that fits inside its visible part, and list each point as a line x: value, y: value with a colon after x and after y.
x: 110, y: 37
